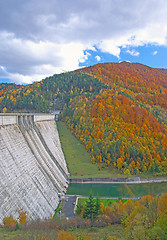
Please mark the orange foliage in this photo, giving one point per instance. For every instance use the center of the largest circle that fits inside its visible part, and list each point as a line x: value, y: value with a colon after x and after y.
x: 62, y: 235
x: 119, y: 132
x: 22, y: 217
x: 163, y: 204
x: 9, y: 222
x: 149, y: 84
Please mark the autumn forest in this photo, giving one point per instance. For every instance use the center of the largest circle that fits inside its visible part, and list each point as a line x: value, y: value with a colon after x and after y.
x: 117, y: 110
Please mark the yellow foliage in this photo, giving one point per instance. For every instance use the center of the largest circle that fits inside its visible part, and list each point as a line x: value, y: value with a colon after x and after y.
x: 144, y: 168
x: 4, y: 110
x: 107, y: 210
x: 27, y: 92
x: 22, y: 217
x: 62, y: 235
x: 14, y: 100
x: 127, y: 172
x: 120, y: 162
x: 9, y: 221
x: 44, y: 238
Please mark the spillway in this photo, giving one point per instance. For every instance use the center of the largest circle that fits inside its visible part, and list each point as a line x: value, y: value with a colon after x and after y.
x: 33, y: 170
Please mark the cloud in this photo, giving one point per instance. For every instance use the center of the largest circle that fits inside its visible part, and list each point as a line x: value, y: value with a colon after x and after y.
x: 29, y: 61
x: 43, y: 37
x: 133, y: 52
x: 3, y: 72
x: 155, y: 52
x: 98, y: 58
x: 109, y: 46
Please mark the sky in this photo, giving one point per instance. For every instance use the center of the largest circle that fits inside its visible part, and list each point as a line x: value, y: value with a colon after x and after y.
x: 39, y: 38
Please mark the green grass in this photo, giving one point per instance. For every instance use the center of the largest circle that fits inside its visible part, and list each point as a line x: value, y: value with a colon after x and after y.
x: 59, y: 207
x: 105, y: 201
x: 99, y: 233
x: 78, y: 159
x: 7, y: 235
x: 95, y: 233
x: 27, y: 235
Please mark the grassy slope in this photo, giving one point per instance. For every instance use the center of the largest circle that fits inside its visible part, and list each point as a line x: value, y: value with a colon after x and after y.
x: 78, y: 159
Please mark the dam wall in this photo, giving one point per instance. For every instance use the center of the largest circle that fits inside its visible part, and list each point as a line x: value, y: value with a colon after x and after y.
x: 8, y: 119
x: 33, y: 170
x: 42, y: 117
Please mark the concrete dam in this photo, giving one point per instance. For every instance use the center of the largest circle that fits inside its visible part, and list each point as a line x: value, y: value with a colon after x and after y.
x: 33, y: 170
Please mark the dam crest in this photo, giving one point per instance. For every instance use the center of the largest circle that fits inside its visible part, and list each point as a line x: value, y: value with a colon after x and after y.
x: 33, y: 170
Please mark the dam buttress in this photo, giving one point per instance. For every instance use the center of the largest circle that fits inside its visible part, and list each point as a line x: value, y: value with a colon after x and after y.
x: 33, y: 170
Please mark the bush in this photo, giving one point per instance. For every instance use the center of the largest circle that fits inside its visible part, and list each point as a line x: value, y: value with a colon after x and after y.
x: 9, y: 222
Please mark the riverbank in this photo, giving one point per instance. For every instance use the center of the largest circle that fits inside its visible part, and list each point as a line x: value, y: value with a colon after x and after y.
x: 132, y: 180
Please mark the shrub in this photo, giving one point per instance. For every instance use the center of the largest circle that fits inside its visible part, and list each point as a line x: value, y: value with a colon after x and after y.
x: 9, y: 222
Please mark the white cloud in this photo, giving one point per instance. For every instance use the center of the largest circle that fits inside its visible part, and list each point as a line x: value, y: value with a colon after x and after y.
x: 2, y: 68
x: 43, y: 37
x: 125, y: 61
x: 155, y: 52
x: 110, y: 46
x: 36, y: 60
x: 98, y: 58
x: 133, y: 52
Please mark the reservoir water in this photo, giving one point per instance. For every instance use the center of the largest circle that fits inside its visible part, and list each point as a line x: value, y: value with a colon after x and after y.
x: 117, y: 190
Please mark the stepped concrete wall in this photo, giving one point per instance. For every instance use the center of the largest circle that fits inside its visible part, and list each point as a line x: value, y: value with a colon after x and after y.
x: 33, y: 171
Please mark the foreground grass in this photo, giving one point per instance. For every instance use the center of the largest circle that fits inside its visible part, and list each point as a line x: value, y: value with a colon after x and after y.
x: 78, y: 159
x: 93, y: 233
x: 101, y: 233
x: 27, y: 235
x: 6, y: 235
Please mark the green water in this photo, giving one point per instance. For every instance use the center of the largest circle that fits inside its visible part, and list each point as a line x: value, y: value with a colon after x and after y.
x: 117, y: 190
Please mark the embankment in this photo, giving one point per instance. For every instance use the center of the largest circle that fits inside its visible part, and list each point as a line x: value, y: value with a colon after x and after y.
x: 132, y: 180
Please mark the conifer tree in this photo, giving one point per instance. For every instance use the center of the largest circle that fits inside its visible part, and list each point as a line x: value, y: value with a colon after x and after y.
x: 92, y: 208
x: 89, y: 211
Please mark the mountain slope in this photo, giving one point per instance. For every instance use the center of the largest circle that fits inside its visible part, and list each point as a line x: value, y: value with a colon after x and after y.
x: 124, y: 127
x: 145, y: 85
x: 117, y: 110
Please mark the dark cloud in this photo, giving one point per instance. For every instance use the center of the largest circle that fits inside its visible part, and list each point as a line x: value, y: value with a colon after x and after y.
x: 74, y: 19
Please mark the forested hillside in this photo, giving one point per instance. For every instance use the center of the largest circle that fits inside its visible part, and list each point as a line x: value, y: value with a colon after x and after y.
x: 39, y: 96
x: 145, y: 85
x: 117, y: 110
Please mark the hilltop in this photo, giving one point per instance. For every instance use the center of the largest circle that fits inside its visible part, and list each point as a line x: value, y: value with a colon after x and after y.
x: 117, y: 110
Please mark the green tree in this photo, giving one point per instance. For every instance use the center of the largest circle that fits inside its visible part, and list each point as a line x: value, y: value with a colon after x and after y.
x: 79, y: 208
x: 92, y: 208
x: 89, y: 211
x: 97, y: 207
x: 156, y: 233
